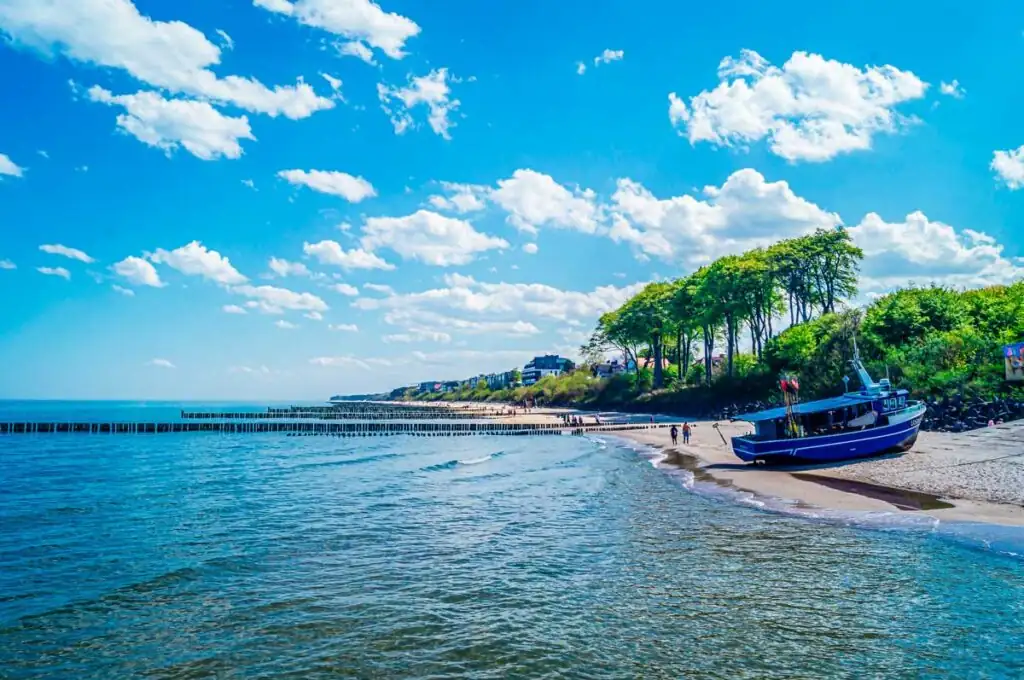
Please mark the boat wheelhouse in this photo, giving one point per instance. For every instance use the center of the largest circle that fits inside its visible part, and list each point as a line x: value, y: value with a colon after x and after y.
x: 869, y: 422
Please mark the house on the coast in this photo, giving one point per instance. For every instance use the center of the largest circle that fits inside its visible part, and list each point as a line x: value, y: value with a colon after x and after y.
x: 608, y: 369
x: 500, y: 381
x: 540, y: 367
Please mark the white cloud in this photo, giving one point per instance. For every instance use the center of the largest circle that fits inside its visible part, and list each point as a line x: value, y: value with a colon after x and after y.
x: 431, y: 91
x: 534, y: 200
x: 249, y: 183
x: 354, y: 48
x: 233, y: 309
x: 507, y: 302
x: 923, y: 251
x: 340, y: 362
x: 581, y: 68
x: 418, y: 336
x: 429, y: 237
x: 167, y: 124
x: 127, y: 292
x: 361, y: 21
x: 379, y: 288
x: 343, y: 327
x: 272, y: 300
x: 55, y: 271
x: 335, y: 83
x: 160, y: 363
x: 226, y: 42
x: 745, y: 212
x: 171, y: 55
x: 1009, y: 166
x: 351, y: 188
x: 7, y: 264
x: 287, y: 325
x: 952, y: 89
x: 461, y: 198
x: 72, y: 253
x: 345, y: 289
x: 331, y: 253
x: 608, y: 56
x: 262, y: 370
x: 137, y: 271
x: 9, y: 168
x: 259, y: 371
x: 195, y: 259
x: 419, y: 322
x: 810, y: 109
x: 315, y: 316
x: 530, y: 248
x: 285, y: 268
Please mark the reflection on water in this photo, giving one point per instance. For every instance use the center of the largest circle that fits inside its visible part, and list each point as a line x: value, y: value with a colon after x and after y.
x: 261, y: 556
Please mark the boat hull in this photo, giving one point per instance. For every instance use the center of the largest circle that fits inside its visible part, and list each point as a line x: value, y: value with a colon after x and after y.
x: 875, y: 441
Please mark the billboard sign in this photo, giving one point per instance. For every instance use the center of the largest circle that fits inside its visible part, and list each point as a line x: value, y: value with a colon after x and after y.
x: 1014, y: 356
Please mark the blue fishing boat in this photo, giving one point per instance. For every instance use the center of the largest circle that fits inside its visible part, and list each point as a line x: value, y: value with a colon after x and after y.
x: 869, y: 422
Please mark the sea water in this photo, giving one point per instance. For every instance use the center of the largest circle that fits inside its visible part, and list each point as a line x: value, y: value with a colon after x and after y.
x: 264, y: 556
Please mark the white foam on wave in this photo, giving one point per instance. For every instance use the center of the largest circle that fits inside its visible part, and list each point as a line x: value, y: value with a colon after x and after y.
x: 476, y: 461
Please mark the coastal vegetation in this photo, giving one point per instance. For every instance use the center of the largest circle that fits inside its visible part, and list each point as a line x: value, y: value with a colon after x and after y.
x: 788, y: 308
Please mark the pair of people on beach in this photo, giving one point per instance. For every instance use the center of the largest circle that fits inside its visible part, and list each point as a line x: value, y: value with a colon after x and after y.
x: 675, y: 434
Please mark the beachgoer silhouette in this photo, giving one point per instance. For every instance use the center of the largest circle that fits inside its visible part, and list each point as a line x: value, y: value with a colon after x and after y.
x: 686, y: 433
x: 675, y: 435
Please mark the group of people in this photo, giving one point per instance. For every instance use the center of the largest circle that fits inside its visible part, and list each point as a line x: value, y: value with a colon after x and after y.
x: 577, y: 421
x: 675, y: 434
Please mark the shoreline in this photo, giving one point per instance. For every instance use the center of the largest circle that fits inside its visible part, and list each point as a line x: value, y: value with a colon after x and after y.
x: 975, y: 476
x: 870, y: 485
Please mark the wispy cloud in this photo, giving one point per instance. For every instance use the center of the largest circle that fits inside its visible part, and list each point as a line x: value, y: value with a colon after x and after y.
x: 55, y: 271
x: 73, y: 253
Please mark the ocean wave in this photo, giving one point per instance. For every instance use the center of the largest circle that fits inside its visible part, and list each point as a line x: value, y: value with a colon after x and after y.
x: 455, y: 462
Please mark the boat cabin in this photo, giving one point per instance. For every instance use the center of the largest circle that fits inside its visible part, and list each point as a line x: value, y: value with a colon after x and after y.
x: 853, y: 411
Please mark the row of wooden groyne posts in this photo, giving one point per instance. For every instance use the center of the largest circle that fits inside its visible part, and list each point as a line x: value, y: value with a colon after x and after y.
x: 354, y: 411
x: 368, y: 429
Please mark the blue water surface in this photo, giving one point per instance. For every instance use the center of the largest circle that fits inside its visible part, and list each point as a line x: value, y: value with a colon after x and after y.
x: 264, y: 556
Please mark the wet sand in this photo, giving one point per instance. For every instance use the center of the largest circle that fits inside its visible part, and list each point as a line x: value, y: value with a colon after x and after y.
x: 973, y: 477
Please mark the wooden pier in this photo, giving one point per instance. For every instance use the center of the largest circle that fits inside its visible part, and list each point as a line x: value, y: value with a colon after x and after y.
x: 342, y: 429
x: 354, y: 411
x: 335, y: 414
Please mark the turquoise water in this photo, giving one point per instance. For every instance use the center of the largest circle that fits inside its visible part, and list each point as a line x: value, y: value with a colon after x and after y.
x: 188, y: 556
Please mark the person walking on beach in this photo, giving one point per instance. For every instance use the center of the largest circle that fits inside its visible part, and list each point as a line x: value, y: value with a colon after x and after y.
x: 675, y: 435
x: 686, y: 433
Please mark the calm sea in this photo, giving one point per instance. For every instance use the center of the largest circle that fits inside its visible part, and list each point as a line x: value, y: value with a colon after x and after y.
x: 263, y: 556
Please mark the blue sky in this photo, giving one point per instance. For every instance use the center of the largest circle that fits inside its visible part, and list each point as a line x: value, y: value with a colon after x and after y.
x: 293, y: 198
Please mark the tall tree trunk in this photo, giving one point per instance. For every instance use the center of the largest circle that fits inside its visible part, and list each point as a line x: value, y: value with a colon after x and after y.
x: 730, y: 341
x: 709, y: 343
x: 659, y: 377
x: 679, y: 356
x: 686, y: 357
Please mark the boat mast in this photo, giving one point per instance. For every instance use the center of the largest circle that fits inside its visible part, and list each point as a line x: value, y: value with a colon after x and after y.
x: 869, y: 385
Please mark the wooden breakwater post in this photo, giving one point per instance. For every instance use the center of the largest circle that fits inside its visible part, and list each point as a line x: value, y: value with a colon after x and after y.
x: 313, y: 428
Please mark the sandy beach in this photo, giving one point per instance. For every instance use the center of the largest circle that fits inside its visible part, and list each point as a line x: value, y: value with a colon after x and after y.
x: 975, y: 477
